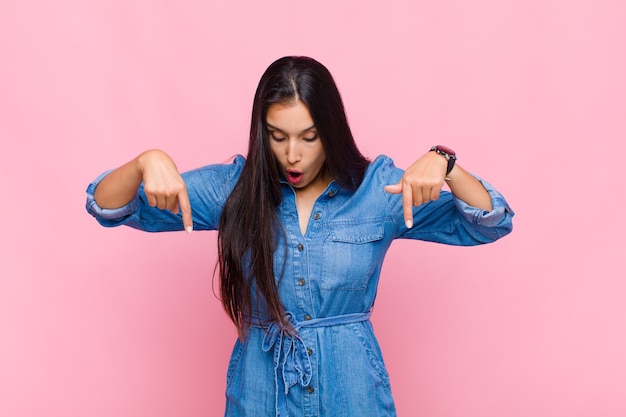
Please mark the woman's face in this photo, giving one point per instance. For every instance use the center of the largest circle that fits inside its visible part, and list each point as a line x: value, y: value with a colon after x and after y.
x: 296, y: 145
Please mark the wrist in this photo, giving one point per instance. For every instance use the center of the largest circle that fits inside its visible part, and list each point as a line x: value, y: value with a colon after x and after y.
x: 452, y: 174
x: 145, y: 159
x: 448, y: 154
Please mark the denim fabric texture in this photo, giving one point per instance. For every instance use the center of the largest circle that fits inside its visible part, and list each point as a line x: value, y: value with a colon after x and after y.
x: 333, y: 366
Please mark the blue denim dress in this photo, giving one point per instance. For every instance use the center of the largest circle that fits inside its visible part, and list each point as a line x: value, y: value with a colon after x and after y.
x: 327, y: 282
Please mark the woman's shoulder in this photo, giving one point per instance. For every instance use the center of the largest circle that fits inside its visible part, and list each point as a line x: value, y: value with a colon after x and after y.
x: 219, y: 177
x: 380, y: 172
x: 234, y: 163
x: 382, y: 167
x: 382, y: 162
x: 230, y: 168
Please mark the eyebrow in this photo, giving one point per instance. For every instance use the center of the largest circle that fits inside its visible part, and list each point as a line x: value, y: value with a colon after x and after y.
x: 282, y: 131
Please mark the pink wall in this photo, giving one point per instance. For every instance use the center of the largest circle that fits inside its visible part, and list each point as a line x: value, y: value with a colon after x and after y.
x: 531, y: 94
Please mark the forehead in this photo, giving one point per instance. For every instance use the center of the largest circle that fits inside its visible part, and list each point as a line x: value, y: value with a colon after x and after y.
x: 290, y: 117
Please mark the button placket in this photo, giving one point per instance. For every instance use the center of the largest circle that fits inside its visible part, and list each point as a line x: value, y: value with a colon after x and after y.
x: 311, y: 396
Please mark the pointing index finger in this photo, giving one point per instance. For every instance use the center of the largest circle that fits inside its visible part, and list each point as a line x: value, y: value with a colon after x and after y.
x: 407, y: 205
x: 185, y: 208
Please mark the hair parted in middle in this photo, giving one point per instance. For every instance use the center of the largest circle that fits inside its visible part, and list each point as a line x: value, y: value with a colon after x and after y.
x: 249, y: 227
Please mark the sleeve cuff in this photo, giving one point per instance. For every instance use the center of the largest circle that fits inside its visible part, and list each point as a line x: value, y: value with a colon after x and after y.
x: 499, y: 211
x: 108, y: 214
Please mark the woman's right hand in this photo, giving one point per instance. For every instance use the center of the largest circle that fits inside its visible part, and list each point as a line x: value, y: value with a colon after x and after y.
x: 163, y: 185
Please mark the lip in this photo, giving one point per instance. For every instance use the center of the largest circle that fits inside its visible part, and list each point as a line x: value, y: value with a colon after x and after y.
x: 294, y: 176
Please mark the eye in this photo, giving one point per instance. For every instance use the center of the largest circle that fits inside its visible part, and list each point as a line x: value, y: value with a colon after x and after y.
x: 274, y: 137
x: 311, y: 138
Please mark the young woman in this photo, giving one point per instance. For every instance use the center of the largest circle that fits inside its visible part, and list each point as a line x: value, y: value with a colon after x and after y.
x: 304, y: 222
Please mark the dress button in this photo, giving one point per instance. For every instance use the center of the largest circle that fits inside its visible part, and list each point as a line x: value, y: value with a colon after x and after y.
x: 300, y: 247
x: 310, y: 390
x: 301, y: 281
x: 331, y: 193
x: 309, y: 351
x: 317, y: 216
x: 307, y: 317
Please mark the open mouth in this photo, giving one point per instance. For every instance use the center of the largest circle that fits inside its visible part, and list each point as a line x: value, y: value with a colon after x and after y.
x: 294, y: 177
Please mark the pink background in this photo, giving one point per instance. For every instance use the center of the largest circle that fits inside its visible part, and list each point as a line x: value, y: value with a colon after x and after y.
x: 531, y: 94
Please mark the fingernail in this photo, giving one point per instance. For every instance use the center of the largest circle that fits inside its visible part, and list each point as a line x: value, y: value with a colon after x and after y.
x: 409, y: 224
x: 189, y: 229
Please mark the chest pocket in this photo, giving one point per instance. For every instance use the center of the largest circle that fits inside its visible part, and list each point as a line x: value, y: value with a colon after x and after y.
x: 351, y: 255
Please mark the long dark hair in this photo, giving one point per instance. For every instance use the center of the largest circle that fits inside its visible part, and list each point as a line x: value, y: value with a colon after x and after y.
x: 249, y: 226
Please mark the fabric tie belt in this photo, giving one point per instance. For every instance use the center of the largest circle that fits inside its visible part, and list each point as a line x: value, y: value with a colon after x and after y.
x: 291, y: 357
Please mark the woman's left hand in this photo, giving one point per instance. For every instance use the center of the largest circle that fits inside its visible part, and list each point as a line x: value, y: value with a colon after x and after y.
x: 421, y: 183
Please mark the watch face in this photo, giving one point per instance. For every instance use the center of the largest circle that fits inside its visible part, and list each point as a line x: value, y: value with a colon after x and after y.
x: 446, y: 150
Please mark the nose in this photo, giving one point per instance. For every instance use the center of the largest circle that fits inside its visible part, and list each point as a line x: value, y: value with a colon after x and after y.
x: 293, y: 152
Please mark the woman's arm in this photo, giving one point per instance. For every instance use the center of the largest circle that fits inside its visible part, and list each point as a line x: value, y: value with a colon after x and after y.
x: 423, y: 180
x: 163, y: 185
x: 467, y: 188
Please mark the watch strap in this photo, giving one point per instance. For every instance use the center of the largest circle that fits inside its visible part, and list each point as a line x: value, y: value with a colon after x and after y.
x: 447, y: 153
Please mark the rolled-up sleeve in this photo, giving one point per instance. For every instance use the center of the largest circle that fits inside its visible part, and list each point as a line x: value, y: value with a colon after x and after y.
x: 448, y: 219
x: 108, y: 217
x: 208, y: 189
x: 497, y: 221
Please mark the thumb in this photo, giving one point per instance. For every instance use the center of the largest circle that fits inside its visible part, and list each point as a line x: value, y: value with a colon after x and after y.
x: 394, y: 188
